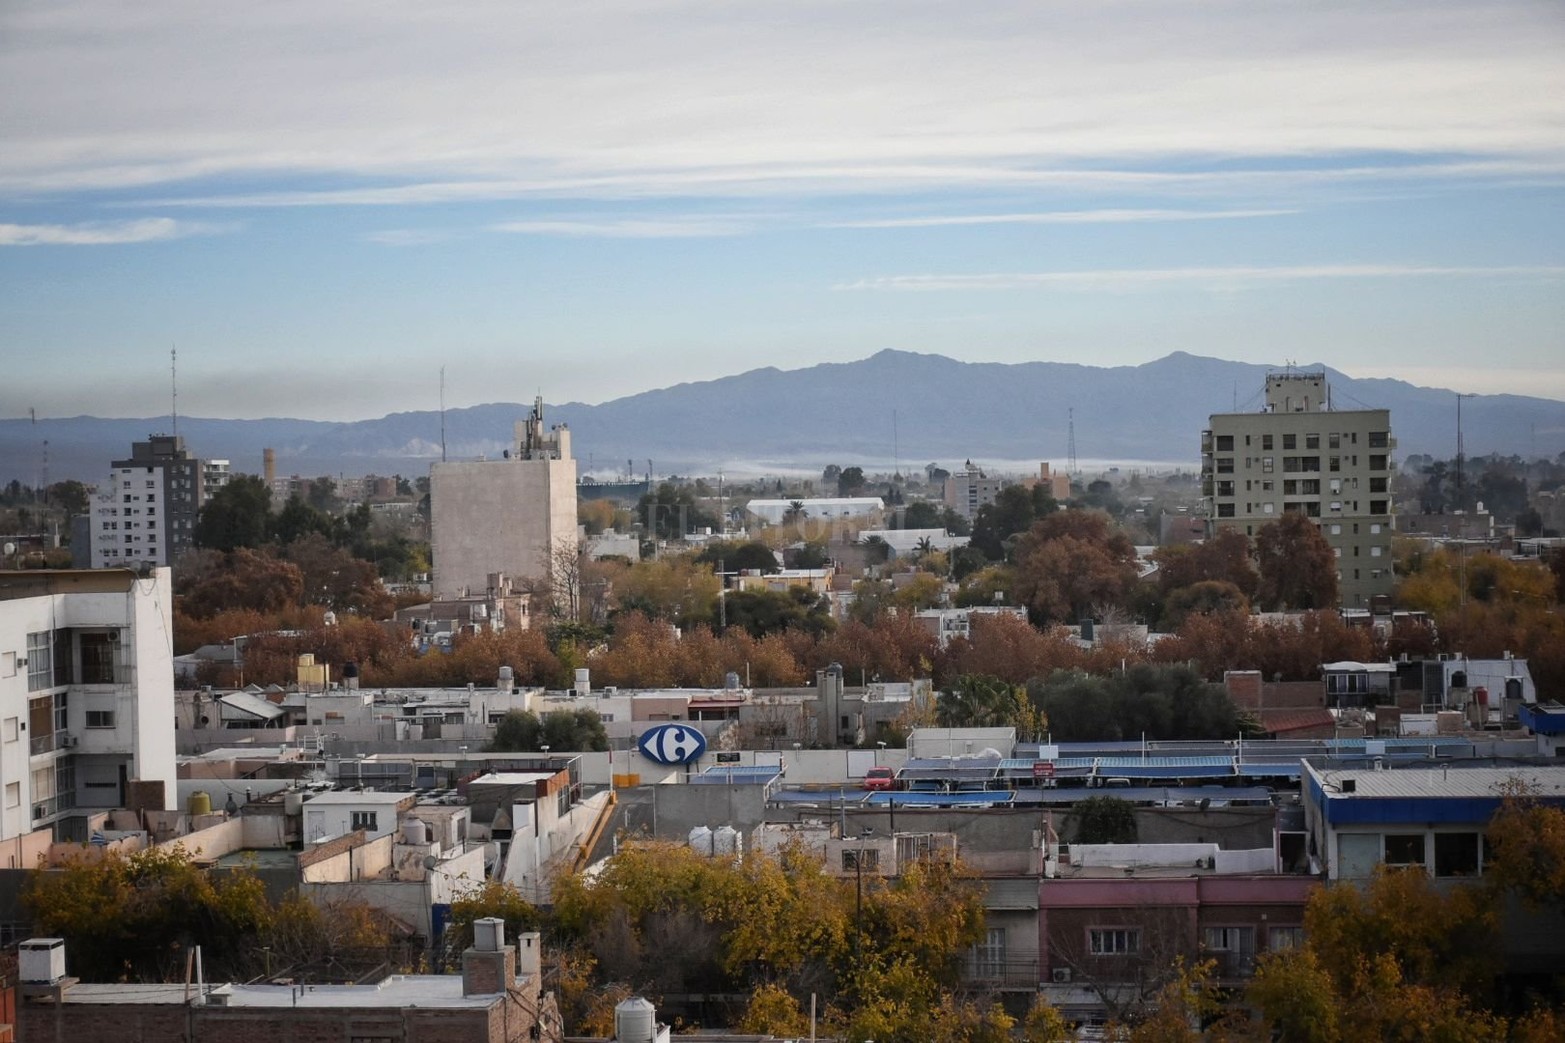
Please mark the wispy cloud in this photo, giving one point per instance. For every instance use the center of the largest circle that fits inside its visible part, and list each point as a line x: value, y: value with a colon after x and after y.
x: 1058, y: 217
x: 481, y: 97
x: 411, y: 236
x: 1220, y: 277
x: 106, y: 233
x: 631, y: 228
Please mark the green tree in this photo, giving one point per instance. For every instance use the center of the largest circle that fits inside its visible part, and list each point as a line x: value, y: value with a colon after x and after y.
x: 1105, y: 820
x: 851, y: 481
x: 237, y: 515
x: 977, y: 701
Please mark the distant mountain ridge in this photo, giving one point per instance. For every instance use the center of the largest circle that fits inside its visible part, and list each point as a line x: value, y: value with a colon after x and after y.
x: 893, y: 406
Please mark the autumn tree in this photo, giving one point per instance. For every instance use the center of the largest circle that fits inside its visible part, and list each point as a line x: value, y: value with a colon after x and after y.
x: 1526, y: 842
x: 250, y: 579
x: 1298, y: 568
x: 1071, y: 563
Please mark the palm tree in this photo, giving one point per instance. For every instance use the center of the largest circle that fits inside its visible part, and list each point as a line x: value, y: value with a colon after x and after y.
x: 796, y: 511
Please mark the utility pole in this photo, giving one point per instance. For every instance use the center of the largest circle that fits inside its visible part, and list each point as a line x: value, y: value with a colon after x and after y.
x: 1461, y: 487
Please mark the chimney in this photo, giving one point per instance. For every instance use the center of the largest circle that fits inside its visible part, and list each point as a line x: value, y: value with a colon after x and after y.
x: 529, y: 963
x: 489, y: 967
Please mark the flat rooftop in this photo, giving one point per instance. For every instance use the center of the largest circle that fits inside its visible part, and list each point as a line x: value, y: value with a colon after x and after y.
x: 1542, y: 780
x: 399, y: 990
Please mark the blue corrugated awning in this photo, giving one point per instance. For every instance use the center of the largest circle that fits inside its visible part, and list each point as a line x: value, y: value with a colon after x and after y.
x: 1271, y: 769
x: 906, y: 799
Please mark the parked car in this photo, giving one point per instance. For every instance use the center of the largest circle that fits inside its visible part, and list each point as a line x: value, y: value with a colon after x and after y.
x: 880, y: 779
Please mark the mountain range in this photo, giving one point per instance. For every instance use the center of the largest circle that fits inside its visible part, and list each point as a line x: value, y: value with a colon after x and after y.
x: 894, y: 407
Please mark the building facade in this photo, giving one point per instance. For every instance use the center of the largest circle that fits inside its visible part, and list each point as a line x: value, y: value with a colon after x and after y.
x: 969, y: 489
x: 145, y: 514
x: 86, y: 698
x: 513, y: 515
x: 1299, y: 454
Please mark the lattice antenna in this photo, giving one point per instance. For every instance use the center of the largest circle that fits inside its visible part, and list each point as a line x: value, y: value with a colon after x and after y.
x: 1070, y: 445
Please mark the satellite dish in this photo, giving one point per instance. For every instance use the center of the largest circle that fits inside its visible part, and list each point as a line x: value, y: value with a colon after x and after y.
x: 431, y: 862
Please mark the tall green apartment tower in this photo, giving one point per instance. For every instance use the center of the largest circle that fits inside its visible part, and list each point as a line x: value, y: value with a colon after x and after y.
x: 1300, y: 454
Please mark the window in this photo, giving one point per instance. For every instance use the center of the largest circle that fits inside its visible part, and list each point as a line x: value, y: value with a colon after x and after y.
x: 1336, y: 530
x: 1238, y: 943
x: 1225, y: 465
x: 1266, y: 463
x: 989, y: 956
x: 13, y: 794
x: 1113, y: 941
x: 1379, y: 439
x: 1377, y: 462
x: 1266, y: 441
x: 40, y: 662
x: 861, y: 858
x: 1268, y: 508
x: 97, y: 656
x: 100, y: 718
x: 1225, y: 443
x: 1281, y: 939
x: 1404, y: 849
x: 1312, y: 441
x: 363, y: 820
x: 1334, y: 441
x: 1456, y: 854
x: 1290, y: 441
x: 1225, y: 510
x: 1357, y: 854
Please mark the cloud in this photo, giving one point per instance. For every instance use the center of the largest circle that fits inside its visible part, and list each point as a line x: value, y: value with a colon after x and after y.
x: 631, y: 228
x: 410, y: 236
x: 625, y: 97
x: 106, y: 233
x: 1218, y: 277
x: 1059, y: 217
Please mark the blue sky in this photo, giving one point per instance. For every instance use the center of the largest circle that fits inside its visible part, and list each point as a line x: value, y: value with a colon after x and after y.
x: 323, y: 204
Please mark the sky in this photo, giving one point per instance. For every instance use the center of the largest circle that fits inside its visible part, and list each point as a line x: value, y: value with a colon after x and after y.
x: 323, y: 205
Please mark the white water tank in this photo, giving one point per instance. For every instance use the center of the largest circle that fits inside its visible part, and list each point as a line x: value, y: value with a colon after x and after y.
x: 489, y: 934
x: 701, y: 841
x: 725, y: 841
x: 41, y: 961
x: 414, y: 831
x: 635, y: 1021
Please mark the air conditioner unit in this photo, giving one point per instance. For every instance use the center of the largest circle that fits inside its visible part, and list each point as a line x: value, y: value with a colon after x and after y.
x: 1061, y: 975
x: 70, y: 741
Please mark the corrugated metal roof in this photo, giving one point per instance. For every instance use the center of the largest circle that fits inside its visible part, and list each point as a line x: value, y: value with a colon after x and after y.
x: 1442, y: 783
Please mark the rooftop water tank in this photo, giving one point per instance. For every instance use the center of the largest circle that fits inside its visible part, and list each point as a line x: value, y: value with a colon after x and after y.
x: 635, y: 1021
x: 414, y: 831
x: 200, y: 803
x: 701, y: 841
x: 725, y: 841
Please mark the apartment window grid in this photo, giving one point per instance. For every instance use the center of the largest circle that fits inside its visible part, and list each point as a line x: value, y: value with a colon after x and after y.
x: 1113, y: 941
x: 989, y: 956
x: 40, y: 661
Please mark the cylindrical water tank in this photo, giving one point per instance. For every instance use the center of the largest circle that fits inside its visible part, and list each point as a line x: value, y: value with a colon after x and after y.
x: 725, y: 840
x: 200, y: 803
x: 1481, y: 695
x: 731, y: 680
x: 506, y: 673
x: 635, y: 1021
x: 701, y: 840
x: 414, y: 831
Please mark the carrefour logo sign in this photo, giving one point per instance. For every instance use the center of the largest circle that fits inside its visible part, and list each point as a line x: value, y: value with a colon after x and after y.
x: 672, y: 744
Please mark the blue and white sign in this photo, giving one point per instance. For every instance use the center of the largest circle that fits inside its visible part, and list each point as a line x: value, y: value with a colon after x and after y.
x: 672, y: 744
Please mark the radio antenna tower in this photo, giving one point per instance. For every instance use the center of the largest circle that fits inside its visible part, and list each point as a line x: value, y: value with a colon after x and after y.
x: 442, y: 414
x: 1070, y: 445
x: 173, y: 379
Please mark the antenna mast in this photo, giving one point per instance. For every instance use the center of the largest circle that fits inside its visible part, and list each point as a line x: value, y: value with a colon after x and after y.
x: 896, y: 453
x: 173, y: 376
x: 1070, y: 447
x: 442, y: 414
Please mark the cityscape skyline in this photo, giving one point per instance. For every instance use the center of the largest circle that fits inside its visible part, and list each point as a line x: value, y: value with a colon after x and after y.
x: 321, y: 214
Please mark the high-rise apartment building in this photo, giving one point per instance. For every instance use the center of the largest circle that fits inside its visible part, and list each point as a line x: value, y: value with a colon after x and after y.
x: 145, y: 515
x: 1334, y: 466
x: 969, y: 489
x: 509, y: 516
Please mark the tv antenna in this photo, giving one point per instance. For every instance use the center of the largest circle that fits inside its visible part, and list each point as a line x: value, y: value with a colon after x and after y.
x: 442, y: 414
x: 1070, y: 445
x: 173, y: 379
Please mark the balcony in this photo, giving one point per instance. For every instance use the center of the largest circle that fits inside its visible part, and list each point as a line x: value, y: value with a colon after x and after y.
x: 51, y: 806
x: 49, y: 742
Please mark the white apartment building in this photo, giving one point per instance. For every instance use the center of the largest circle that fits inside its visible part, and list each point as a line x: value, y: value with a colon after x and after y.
x: 86, y: 699
x: 145, y: 514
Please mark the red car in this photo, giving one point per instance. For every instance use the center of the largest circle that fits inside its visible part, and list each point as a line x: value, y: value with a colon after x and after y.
x: 880, y: 779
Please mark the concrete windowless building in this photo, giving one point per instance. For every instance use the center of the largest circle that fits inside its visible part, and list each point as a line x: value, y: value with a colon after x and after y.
x: 503, y: 516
